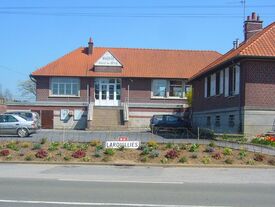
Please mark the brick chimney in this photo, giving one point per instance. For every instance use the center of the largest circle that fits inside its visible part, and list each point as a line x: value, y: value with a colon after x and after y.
x: 90, y: 46
x: 252, y: 25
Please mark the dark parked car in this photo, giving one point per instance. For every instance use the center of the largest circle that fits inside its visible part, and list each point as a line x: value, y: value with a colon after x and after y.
x: 166, y: 122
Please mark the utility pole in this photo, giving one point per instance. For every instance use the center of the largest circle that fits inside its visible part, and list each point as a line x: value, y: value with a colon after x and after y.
x: 244, y: 8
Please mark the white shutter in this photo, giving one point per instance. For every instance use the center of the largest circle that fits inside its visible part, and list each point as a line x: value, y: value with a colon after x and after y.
x: 226, y: 82
x: 213, y: 85
x: 205, y: 87
x: 221, y: 82
x: 237, y: 80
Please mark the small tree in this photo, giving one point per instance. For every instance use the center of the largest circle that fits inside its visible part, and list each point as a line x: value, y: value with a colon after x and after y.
x: 189, y: 96
x: 27, y: 88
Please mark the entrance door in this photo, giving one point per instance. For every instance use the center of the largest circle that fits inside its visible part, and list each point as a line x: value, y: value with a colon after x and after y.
x: 108, y: 92
x: 47, y: 119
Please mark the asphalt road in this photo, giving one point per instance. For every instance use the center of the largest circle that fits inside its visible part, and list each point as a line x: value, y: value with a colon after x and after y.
x: 57, y: 185
x: 18, y: 192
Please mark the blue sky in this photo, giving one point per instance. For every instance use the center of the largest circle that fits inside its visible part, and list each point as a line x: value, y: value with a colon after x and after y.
x: 34, y: 33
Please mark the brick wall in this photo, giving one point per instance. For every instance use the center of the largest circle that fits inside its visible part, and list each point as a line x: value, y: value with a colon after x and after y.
x: 200, y: 103
x: 140, y: 91
x: 259, y: 84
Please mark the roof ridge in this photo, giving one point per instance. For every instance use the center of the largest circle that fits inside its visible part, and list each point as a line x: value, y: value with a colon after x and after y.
x: 243, y: 46
x: 159, y: 49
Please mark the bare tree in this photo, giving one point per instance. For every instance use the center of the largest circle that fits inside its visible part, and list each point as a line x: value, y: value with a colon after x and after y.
x: 7, y: 95
x: 27, y: 88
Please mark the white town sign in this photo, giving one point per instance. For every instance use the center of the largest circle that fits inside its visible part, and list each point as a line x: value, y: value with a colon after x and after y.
x: 122, y: 142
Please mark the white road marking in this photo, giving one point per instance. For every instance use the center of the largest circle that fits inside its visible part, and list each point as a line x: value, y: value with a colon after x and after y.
x: 119, y: 181
x: 99, y: 204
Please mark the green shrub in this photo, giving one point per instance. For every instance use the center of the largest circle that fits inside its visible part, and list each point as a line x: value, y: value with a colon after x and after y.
x: 242, y: 154
x: 184, y: 147
x: 13, y: 146
x: 109, y: 151
x: 250, y: 162
x: 83, y: 146
x: 86, y: 159
x: 227, y: 151
x: 97, y: 153
x: 212, y: 144
x: 36, y: 146
x: 9, y: 157
x: 183, y: 160
x: 53, y: 146
x: 99, y: 147
x: 153, y: 144
x: 206, y: 160
x: 144, y: 159
x: 153, y: 154
x: 164, y: 160
x: 194, y: 148
x: 43, y: 140
x: 146, y: 151
x: 259, y: 157
x: 70, y: 146
x: 176, y: 147
x: 29, y: 157
x: 229, y: 161
x: 66, y: 158
x: 169, y: 145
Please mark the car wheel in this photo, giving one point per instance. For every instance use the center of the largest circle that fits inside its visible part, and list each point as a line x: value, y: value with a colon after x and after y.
x: 22, y: 132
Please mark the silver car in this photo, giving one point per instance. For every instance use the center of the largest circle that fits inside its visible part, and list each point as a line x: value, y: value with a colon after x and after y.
x: 11, y: 124
x: 28, y: 115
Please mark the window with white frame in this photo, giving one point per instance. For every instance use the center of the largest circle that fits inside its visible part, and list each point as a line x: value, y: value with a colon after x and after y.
x: 168, y: 88
x: 232, y: 80
x: 213, y: 84
x: 65, y: 86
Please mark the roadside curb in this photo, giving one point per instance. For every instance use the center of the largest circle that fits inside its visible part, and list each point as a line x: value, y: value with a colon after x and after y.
x: 140, y: 165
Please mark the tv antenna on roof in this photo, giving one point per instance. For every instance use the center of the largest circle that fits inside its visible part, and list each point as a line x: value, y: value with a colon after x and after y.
x: 243, y: 2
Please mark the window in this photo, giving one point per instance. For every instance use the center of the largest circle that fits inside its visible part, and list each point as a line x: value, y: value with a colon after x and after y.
x: 65, y: 86
x: 175, y: 88
x: 171, y: 119
x: 232, y: 81
x: 167, y: 88
x: 7, y: 118
x: 217, y: 121
x: 208, y: 121
x: 159, y: 88
x: 218, y: 83
x: 231, y: 120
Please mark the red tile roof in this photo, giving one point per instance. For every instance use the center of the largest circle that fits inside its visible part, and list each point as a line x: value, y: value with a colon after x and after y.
x: 136, y: 63
x: 261, y: 44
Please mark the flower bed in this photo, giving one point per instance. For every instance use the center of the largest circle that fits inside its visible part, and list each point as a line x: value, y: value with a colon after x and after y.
x: 264, y: 140
x: 151, y: 153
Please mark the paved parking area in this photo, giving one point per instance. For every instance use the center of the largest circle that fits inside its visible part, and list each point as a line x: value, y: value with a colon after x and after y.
x: 86, y: 136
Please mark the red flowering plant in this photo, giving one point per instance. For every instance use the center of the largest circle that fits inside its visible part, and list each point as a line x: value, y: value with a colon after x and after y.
x: 4, y: 152
x: 264, y: 140
x: 41, y: 153
x: 79, y: 154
